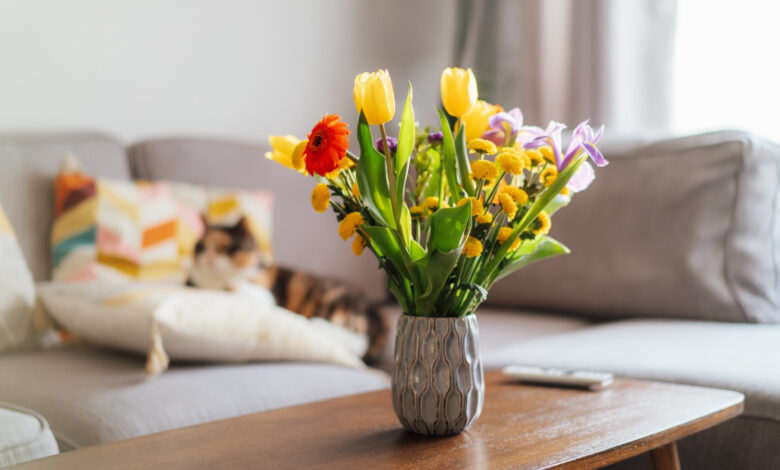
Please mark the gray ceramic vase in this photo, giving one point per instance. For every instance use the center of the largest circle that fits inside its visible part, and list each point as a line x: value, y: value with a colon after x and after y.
x: 438, y: 383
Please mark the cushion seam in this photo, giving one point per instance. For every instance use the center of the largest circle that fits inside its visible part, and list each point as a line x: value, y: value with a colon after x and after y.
x: 728, y: 242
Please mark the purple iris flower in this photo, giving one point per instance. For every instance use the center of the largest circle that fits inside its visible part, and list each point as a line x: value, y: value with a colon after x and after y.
x: 392, y: 142
x: 552, y: 137
x: 503, y: 125
x: 584, y: 138
x: 435, y: 137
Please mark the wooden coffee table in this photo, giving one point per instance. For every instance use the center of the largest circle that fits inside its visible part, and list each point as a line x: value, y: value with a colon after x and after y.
x: 522, y: 426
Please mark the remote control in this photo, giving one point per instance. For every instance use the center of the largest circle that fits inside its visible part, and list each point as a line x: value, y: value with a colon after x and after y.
x: 559, y: 377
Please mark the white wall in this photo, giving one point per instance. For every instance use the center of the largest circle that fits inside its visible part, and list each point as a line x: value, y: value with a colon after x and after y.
x: 231, y: 68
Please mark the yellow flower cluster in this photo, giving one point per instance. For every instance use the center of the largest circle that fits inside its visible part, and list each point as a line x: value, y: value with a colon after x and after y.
x: 431, y: 203
x: 508, y: 205
x: 348, y: 226
x: 476, y: 204
x: 484, y: 219
x: 548, y: 176
x: 358, y: 245
x: 518, y: 195
x: 482, y: 146
x: 544, y: 224
x: 483, y: 169
x: 320, y: 197
x: 535, y: 156
x: 503, y: 236
x: 512, y: 161
x: 472, y: 248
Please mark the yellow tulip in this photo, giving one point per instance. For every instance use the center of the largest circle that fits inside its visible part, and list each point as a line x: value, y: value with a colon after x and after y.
x: 477, y: 120
x: 373, y: 94
x: 458, y: 91
x: 287, y: 150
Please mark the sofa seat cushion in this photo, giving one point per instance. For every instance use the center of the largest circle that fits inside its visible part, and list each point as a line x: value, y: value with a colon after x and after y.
x: 497, y: 329
x: 742, y: 357
x: 24, y: 435
x: 92, y: 396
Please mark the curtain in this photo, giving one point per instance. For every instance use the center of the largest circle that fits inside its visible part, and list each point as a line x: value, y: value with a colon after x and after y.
x: 568, y: 60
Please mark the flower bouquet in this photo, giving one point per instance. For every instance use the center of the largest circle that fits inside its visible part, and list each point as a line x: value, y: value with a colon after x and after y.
x: 447, y: 211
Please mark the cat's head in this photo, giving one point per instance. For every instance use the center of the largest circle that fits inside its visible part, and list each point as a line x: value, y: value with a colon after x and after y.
x: 224, y: 254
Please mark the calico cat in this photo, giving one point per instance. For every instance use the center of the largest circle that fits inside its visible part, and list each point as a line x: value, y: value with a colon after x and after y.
x: 228, y: 255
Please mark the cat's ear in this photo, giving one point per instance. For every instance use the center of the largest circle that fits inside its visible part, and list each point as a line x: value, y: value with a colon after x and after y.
x: 243, y: 224
x: 204, y: 220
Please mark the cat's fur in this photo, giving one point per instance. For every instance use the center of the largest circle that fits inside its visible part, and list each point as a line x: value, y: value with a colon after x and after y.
x: 225, y: 256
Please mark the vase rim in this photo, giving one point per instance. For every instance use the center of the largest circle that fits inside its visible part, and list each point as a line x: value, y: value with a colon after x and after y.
x: 404, y: 314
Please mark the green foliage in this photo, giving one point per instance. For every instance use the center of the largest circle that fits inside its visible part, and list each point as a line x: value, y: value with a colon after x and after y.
x: 372, y: 177
x: 539, y: 249
x: 464, y: 168
x: 448, y: 227
x: 448, y: 157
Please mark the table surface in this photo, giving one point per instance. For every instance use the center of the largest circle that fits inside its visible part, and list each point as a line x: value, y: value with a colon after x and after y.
x: 522, y: 426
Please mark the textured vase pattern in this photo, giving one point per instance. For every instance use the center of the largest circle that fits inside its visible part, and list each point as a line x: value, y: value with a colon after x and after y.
x: 438, y: 383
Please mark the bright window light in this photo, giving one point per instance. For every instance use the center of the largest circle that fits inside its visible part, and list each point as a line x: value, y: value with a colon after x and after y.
x: 727, y: 66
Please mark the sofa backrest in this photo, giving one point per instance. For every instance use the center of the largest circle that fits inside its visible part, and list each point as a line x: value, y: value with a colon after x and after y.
x: 686, y: 228
x: 28, y: 164
x: 302, y: 237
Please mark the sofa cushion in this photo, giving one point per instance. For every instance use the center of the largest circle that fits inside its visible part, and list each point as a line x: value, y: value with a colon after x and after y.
x: 302, y: 238
x: 17, y: 291
x: 91, y: 396
x: 24, y: 435
x: 741, y: 357
x: 29, y: 163
x: 685, y: 228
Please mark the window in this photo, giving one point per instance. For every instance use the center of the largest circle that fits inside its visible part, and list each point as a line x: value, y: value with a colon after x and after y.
x: 727, y: 66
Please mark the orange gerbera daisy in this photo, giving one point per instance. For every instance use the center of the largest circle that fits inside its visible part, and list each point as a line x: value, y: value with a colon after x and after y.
x: 327, y: 145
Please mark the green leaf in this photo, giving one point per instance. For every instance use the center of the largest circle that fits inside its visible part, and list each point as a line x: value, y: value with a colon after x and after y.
x: 406, y: 135
x: 385, y: 239
x: 541, y: 248
x: 462, y: 154
x: 416, y: 251
x: 437, y: 268
x: 400, y: 186
x: 405, y: 221
x: 372, y: 177
x: 400, y: 294
x: 479, y: 290
x: 448, y: 157
x: 447, y: 227
x: 432, y: 187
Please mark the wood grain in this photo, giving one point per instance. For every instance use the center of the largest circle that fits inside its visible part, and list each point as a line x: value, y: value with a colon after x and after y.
x: 522, y: 427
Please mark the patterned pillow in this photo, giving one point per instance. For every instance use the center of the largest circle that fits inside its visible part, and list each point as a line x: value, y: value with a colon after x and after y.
x: 17, y: 291
x: 139, y: 230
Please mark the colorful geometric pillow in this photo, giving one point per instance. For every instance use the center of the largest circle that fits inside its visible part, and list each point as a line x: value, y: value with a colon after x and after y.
x: 17, y: 291
x: 139, y: 230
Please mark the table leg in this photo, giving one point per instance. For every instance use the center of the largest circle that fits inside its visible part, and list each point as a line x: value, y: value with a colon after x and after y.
x: 665, y: 457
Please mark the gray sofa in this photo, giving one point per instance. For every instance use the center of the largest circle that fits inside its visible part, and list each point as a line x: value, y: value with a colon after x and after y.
x: 675, y: 260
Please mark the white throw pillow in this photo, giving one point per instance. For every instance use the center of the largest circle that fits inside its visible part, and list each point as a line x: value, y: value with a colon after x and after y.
x: 183, y: 323
x: 17, y: 291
